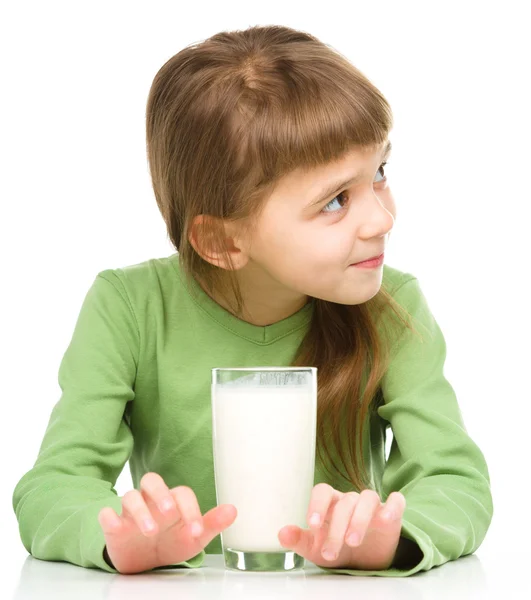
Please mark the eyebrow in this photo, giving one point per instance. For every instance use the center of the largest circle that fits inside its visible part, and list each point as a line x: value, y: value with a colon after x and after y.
x: 337, y: 186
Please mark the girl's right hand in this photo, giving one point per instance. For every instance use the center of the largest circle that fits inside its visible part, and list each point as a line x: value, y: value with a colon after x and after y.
x: 132, y: 548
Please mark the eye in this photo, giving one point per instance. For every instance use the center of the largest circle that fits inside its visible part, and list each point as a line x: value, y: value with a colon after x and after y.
x: 345, y: 198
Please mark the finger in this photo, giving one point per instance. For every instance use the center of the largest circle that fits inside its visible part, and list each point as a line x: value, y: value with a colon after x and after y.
x: 394, y: 507
x: 135, y: 507
x: 109, y: 520
x: 300, y: 541
x: 339, y: 523
x: 188, y: 508
x: 156, y: 492
x: 305, y: 542
x: 368, y: 504
x: 215, y: 521
x: 323, y: 496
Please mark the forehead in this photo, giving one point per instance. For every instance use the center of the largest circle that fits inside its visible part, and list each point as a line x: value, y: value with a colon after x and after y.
x: 309, y: 181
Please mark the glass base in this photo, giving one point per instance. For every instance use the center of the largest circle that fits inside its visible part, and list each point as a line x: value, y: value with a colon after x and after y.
x: 262, y: 561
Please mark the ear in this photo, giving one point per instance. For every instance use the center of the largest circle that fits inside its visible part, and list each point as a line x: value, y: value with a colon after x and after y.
x: 207, y: 244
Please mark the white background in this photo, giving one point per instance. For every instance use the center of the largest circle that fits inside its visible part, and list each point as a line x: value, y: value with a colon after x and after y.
x: 75, y: 197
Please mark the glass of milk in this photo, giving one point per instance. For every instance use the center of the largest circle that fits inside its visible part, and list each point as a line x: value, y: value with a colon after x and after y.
x: 264, y: 435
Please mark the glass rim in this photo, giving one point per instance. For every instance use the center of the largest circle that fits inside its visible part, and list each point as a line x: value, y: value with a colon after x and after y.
x: 311, y: 369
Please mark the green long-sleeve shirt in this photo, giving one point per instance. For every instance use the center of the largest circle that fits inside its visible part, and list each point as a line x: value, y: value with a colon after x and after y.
x: 138, y: 368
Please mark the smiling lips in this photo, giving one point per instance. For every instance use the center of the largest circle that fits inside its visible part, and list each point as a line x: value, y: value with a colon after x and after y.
x: 373, y: 258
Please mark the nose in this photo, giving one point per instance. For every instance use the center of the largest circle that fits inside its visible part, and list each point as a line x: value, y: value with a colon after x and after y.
x: 377, y: 215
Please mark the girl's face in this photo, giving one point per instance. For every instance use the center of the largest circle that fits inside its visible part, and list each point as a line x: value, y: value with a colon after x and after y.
x: 307, y: 238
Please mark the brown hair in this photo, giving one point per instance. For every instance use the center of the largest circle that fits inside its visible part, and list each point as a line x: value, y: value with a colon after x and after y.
x: 225, y: 120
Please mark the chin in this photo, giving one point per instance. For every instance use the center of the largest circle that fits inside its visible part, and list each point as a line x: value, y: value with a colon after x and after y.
x: 361, y: 298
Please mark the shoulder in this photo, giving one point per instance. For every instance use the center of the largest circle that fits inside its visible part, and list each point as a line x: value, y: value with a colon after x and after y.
x: 408, y: 296
x: 405, y: 292
x: 393, y: 279
x: 136, y: 282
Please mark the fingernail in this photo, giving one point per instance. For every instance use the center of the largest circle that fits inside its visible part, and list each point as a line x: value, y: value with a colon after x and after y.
x: 166, y: 505
x: 196, y: 529
x: 388, y: 515
x: 329, y: 554
x: 353, y: 539
x: 315, y: 519
x: 148, y: 524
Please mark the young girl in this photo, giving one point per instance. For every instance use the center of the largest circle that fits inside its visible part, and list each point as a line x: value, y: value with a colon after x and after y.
x: 267, y: 151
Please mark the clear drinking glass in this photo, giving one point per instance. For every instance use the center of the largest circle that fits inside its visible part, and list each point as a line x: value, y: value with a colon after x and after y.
x: 264, y: 435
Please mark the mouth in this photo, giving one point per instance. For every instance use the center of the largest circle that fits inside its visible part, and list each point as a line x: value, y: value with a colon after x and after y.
x: 374, y: 261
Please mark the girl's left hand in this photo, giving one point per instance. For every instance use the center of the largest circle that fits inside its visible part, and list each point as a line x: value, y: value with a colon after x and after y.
x: 342, y: 514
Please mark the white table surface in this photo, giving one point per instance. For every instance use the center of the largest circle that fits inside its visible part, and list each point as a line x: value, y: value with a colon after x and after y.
x: 468, y: 577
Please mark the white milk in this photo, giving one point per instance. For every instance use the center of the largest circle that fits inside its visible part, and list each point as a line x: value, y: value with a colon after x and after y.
x: 264, y: 459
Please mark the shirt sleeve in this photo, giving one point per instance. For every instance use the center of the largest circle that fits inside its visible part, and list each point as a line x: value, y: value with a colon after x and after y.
x: 88, y: 440
x: 433, y: 461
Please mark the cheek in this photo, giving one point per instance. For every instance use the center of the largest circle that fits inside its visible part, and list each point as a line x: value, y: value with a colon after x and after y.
x: 293, y: 245
x: 289, y: 248
x: 286, y: 246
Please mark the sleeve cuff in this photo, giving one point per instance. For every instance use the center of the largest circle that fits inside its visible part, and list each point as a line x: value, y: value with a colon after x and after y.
x: 92, y: 540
